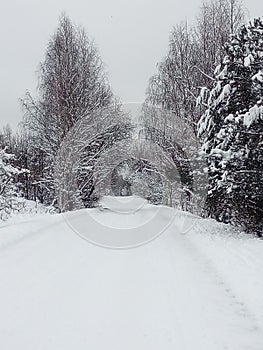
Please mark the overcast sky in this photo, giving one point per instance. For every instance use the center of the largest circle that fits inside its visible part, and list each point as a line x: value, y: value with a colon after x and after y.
x: 132, y: 36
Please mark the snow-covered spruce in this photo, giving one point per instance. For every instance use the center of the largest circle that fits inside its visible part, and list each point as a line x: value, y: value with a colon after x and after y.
x: 231, y: 130
x: 9, y: 192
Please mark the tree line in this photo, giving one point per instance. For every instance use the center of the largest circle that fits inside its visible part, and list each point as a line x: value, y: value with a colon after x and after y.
x: 211, y: 79
x: 208, y: 88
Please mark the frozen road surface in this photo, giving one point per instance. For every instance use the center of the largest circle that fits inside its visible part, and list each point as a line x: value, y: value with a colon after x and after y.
x: 201, y: 290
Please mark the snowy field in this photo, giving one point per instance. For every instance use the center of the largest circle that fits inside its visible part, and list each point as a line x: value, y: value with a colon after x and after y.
x: 199, y: 290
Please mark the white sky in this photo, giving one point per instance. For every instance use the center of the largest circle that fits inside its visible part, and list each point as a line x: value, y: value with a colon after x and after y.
x: 132, y: 36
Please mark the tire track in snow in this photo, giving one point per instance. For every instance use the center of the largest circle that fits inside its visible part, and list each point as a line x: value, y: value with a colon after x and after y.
x: 229, y: 303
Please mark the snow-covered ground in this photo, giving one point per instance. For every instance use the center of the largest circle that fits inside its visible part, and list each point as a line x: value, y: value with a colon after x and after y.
x: 199, y: 290
x: 28, y: 210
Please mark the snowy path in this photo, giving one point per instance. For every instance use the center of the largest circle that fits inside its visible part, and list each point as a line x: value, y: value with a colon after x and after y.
x: 58, y: 291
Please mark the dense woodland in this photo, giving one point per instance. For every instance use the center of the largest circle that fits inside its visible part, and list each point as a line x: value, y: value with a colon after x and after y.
x: 203, y: 109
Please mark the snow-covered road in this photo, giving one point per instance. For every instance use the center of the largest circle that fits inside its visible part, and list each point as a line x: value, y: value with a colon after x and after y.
x: 201, y: 290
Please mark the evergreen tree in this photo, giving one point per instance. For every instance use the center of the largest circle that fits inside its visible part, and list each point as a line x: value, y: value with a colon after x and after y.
x: 9, y: 191
x: 231, y: 129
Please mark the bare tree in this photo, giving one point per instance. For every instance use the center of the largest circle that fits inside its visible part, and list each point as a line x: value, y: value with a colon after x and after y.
x: 216, y: 21
x: 174, y: 86
x: 192, y: 57
x: 72, y: 84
